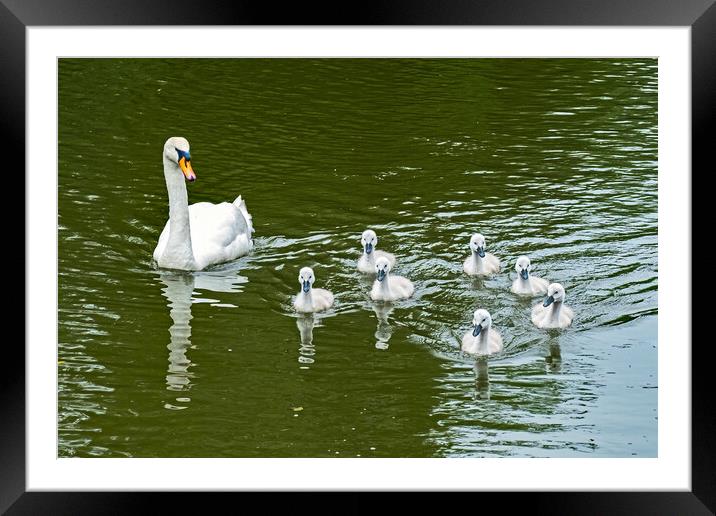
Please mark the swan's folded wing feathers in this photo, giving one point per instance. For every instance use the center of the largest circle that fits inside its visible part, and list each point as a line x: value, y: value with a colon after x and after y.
x: 241, y: 205
x: 496, y: 337
x: 494, y: 261
x: 537, y: 313
x: 539, y: 285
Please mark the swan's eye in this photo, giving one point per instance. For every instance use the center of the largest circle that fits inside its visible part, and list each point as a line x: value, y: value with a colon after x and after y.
x: 182, y: 154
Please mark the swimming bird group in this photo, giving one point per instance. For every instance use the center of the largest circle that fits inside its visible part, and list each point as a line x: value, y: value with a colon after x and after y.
x: 203, y: 234
x: 483, y: 339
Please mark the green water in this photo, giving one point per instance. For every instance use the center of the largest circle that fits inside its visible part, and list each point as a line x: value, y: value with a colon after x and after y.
x: 556, y: 159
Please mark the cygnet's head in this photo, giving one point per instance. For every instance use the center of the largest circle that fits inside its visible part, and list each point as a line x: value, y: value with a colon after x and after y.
x: 477, y: 244
x: 523, y: 267
x: 369, y: 240
x: 176, y: 150
x: 481, y: 320
x: 382, y: 268
x: 555, y: 294
x: 306, y: 278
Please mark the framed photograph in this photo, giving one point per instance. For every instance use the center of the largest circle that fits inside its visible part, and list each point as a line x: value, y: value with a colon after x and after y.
x: 422, y: 249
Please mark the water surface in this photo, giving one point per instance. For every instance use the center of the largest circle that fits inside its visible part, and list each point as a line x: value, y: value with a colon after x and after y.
x: 554, y: 158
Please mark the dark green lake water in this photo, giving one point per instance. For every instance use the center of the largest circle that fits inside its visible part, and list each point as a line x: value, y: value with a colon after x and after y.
x: 556, y: 159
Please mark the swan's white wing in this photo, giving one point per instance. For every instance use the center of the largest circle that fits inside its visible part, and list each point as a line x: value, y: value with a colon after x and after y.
x: 468, y: 343
x: 322, y: 299
x: 219, y: 233
x: 538, y: 312
x: 495, y: 343
x: 566, y: 316
x: 401, y: 286
x: 539, y: 285
x: 241, y: 205
x: 494, y: 263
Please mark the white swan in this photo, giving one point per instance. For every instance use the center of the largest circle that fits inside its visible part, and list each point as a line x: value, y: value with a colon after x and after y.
x: 483, y: 339
x: 387, y: 287
x: 526, y: 284
x: 311, y: 299
x: 202, y: 234
x: 553, y: 313
x: 480, y: 263
x: 366, y: 263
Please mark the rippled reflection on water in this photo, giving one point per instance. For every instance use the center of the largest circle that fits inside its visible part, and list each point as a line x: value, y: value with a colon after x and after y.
x: 551, y: 158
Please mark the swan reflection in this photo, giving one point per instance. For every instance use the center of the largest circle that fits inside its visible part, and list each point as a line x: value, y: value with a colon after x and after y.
x: 180, y: 289
x: 383, y: 330
x: 305, y: 324
x: 553, y: 361
x: 482, y: 379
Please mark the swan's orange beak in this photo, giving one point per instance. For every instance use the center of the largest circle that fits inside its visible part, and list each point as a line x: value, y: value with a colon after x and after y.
x: 185, y: 166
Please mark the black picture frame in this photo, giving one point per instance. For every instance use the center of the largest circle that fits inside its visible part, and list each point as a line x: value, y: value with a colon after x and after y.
x: 699, y: 15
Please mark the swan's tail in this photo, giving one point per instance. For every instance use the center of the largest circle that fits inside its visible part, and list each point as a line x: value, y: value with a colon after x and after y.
x: 241, y: 205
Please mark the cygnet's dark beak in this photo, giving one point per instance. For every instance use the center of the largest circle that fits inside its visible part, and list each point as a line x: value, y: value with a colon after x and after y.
x: 381, y: 274
x: 548, y: 301
x: 477, y: 330
x: 306, y: 286
x: 481, y: 252
x: 368, y: 248
x: 524, y: 274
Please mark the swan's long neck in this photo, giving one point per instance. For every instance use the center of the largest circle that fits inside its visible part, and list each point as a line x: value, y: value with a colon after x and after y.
x: 479, y: 262
x: 178, y: 253
x: 385, y: 285
x: 482, y: 341
x: 369, y: 258
x: 556, y: 310
x: 306, y: 298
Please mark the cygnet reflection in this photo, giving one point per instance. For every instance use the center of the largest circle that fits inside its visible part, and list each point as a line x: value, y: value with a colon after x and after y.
x: 305, y: 324
x: 482, y: 379
x: 553, y: 361
x: 383, y: 330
